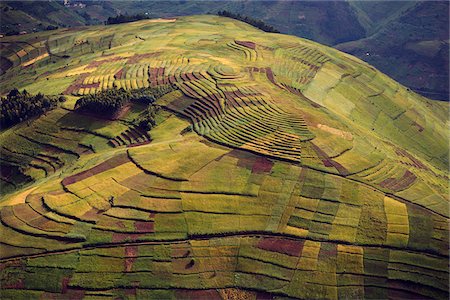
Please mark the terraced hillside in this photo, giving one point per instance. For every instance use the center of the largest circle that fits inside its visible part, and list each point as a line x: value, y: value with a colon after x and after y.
x: 278, y: 168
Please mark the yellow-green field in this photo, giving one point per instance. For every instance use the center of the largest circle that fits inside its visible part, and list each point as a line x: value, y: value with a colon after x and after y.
x: 278, y: 168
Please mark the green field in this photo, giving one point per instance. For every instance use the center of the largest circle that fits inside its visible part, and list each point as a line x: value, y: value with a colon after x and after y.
x: 278, y: 167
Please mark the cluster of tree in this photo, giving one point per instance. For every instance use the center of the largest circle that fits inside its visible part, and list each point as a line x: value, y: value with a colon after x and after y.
x: 39, y: 27
x: 51, y: 27
x: 150, y: 95
x: 254, y: 22
x: 108, y: 102
x: 19, y: 106
x: 104, y: 103
x: 146, y: 119
x: 125, y: 19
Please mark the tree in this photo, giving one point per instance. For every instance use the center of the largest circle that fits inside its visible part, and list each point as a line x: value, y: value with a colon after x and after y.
x: 19, y: 106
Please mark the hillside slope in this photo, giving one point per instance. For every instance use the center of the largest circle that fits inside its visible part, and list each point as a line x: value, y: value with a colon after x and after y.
x: 402, y: 37
x: 313, y: 20
x: 278, y: 167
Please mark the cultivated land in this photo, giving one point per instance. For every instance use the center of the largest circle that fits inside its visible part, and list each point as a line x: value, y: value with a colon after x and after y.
x: 278, y: 168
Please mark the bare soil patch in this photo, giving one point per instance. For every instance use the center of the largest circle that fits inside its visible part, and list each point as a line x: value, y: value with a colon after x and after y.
x: 104, y: 166
x: 280, y: 245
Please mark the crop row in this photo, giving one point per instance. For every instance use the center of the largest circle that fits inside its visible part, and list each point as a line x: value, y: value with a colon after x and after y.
x: 130, y: 137
x: 295, y: 267
x: 250, y: 53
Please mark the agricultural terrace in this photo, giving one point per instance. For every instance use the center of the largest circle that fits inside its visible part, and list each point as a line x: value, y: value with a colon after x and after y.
x: 274, y: 167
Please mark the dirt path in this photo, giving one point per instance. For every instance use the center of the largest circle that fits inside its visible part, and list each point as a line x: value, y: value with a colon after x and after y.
x: 32, y: 61
x: 19, y: 198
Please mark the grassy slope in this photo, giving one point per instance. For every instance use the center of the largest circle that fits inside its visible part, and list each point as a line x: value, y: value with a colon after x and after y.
x: 314, y: 20
x: 329, y: 23
x: 345, y: 174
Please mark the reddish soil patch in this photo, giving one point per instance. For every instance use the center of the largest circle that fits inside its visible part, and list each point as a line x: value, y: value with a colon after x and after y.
x: 198, y: 294
x: 92, y: 215
x: 191, y: 77
x: 270, y: 75
x: 131, y: 292
x: 138, y: 57
x: 155, y: 75
x: 119, y: 224
x: 104, y: 166
x: 125, y: 237
x: 340, y: 168
x: 161, y: 71
x: 18, y: 285
x: 400, y: 184
x: 144, y: 227
x: 247, y: 44
x: 119, y: 74
x: 415, y: 162
x: 328, y: 162
x: 92, y: 85
x: 131, y: 253
x: 246, y: 159
x: 74, y: 294
x: 184, y: 77
x: 280, y: 245
x: 40, y: 222
x: 262, y: 165
x: 97, y: 63
x: 64, y: 284
x: 76, y: 85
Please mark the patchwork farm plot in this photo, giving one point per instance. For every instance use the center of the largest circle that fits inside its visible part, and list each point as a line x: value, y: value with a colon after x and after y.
x: 278, y: 168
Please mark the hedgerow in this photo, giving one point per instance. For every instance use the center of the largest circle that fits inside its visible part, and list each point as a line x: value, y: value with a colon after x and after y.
x: 109, y: 102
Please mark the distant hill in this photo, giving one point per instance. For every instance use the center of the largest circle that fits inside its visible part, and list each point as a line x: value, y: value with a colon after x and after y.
x: 413, y: 48
x: 313, y: 20
x: 30, y: 16
x: 390, y: 31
